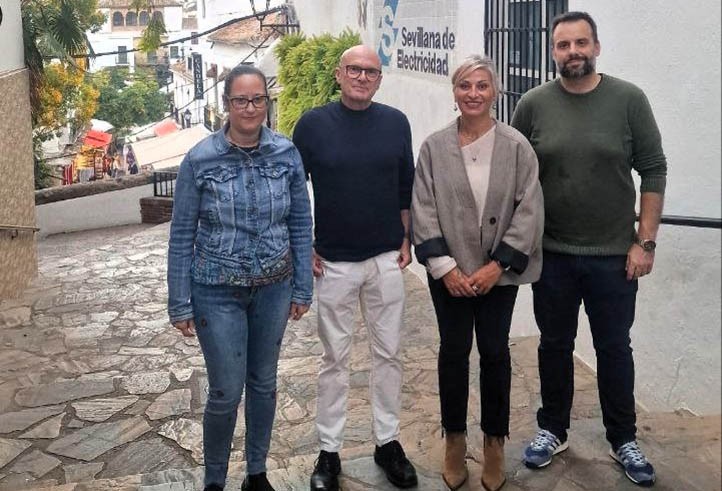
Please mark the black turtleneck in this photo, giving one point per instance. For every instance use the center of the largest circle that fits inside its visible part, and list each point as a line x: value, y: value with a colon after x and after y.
x: 362, y: 169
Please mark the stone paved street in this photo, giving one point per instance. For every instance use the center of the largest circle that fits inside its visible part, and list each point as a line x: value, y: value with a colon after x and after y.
x: 98, y: 392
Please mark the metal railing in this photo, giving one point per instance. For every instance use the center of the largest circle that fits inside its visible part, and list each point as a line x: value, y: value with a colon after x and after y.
x: 683, y: 221
x: 15, y: 229
x: 163, y: 184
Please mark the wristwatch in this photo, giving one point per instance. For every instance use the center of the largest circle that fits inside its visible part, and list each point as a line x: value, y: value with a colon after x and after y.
x: 647, y: 244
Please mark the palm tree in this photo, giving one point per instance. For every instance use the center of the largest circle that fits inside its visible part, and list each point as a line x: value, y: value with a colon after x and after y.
x: 53, y: 29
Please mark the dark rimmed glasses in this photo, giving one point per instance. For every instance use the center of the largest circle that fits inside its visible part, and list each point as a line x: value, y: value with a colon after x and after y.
x: 354, y: 71
x: 240, y: 102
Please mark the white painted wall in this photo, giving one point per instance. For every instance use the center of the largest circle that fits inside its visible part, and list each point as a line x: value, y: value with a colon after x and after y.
x: 90, y: 212
x: 11, y: 37
x: 673, y: 53
x: 109, y: 42
x: 173, y: 19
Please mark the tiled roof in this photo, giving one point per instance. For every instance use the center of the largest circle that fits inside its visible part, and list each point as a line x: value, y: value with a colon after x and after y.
x: 247, y: 31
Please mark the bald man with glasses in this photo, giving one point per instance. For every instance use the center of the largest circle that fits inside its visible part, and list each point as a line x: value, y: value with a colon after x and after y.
x: 358, y: 155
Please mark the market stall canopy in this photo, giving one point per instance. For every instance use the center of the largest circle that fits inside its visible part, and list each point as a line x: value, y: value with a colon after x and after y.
x: 152, y: 130
x: 165, y: 127
x: 100, y: 125
x: 167, y: 151
x: 97, y: 139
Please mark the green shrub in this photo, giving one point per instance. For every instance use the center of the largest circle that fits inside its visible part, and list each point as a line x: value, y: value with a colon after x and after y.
x: 306, y: 73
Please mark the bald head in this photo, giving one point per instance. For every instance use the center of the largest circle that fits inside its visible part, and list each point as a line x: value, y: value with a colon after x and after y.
x: 360, y: 51
x: 359, y: 75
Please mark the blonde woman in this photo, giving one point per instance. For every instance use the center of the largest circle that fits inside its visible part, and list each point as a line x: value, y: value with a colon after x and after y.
x: 477, y: 219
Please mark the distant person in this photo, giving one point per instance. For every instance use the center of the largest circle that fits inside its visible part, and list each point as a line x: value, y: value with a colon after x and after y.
x: 239, y: 266
x: 187, y: 118
x: 477, y: 217
x: 589, y: 131
x: 358, y: 154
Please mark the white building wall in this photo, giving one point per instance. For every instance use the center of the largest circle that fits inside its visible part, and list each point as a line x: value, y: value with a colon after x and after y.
x: 673, y: 53
x: 102, y: 210
x: 10, y: 32
x: 109, y: 42
x: 173, y: 19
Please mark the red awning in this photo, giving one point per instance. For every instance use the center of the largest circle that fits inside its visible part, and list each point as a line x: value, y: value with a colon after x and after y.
x: 97, y: 139
x: 165, y: 127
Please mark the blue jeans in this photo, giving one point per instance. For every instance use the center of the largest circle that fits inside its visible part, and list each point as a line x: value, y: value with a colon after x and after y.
x: 609, y: 301
x: 240, y: 330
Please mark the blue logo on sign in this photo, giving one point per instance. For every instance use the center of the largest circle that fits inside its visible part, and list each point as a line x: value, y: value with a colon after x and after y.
x: 388, y: 31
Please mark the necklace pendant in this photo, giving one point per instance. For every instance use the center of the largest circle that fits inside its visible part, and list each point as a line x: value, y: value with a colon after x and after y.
x: 473, y: 159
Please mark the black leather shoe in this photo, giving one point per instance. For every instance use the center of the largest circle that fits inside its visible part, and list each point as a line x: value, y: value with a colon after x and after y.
x: 325, y: 474
x: 213, y: 487
x: 256, y: 482
x: 392, y: 459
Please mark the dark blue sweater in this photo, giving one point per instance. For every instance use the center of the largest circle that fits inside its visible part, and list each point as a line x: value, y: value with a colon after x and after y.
x: 362, y: 169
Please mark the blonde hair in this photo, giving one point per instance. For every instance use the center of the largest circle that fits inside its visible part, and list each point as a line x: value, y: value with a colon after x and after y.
x: 476, y: 62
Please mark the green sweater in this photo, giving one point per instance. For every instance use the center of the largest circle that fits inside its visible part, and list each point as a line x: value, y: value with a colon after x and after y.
x: 587, y: 145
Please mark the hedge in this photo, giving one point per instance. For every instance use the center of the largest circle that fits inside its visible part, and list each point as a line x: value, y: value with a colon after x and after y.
x: 306, y: 73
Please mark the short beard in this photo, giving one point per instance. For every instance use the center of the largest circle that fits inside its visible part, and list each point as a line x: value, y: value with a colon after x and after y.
x: 584, y: 70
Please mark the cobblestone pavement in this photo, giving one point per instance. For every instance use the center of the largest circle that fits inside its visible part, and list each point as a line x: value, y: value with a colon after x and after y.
x: 98, y: 392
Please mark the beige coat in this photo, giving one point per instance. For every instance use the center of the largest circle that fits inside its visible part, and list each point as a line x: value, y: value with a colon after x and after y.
x: 445, y: 219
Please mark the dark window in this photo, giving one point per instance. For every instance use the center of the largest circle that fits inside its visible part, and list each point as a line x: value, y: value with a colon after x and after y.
x: 143, y: 18
x: 131, y: 19
x: 152, y: 57
x: 194, y: 40
x: 158, y: 16
x: 117, y: 19
x: 517, y: 37
x: 122, y: 56
x: 174, y: 52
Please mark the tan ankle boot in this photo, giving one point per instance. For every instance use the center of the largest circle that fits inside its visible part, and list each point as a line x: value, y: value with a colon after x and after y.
x: 455, y: 472
x: 493, y: 476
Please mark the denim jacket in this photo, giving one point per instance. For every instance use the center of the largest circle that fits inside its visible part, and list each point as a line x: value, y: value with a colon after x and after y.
x: 238, y: 219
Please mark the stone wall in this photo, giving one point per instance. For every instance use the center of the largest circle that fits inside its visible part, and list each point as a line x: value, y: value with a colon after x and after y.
x: 18, y: 260
x: 156, y: 209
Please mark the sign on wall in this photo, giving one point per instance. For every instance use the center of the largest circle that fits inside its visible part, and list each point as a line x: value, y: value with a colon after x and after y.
x: 197, y: 76
x: 416, y: 37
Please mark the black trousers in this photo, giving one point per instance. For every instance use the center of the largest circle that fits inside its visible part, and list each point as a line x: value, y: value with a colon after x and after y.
x: 609, y: 300
x: 458, y: 318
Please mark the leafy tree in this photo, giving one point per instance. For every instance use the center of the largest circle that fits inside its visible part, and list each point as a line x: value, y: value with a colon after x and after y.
x: 55, y: 29
x: 129, y: 99
x: 306, y: 72
x: 65, y: 97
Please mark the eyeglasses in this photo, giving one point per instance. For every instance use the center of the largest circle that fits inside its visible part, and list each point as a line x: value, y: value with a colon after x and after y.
x: 372, y: 74
x: 258, y: 101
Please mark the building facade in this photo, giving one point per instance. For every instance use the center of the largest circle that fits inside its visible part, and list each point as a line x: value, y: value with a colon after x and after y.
x: 247, y: 41
x: 18, y: 260
x: 122, y: 31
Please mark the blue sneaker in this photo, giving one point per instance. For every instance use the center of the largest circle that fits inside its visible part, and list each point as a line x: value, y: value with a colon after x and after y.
x: 542, y: 448
x: 636, y: 466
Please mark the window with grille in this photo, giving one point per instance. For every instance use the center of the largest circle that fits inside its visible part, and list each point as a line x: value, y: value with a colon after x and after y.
x: 517, y: 37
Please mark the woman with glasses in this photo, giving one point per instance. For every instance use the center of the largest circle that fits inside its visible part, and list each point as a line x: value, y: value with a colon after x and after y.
x: 239, y: 266
x: 477, y: 219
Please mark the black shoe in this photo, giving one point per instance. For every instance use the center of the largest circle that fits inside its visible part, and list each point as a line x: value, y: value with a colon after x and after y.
x: 256, y: 482
x: 325, y: 474
x: 213, y: 487
x: 392, y: 459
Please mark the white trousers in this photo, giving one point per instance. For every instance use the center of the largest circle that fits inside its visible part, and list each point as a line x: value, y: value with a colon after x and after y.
x: 378, y: 284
